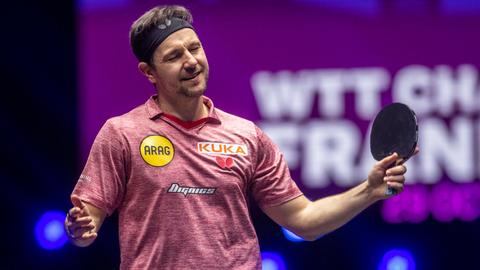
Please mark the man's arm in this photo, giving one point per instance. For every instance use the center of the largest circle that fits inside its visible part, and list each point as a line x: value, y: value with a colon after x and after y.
x: 83, y: 222
x: 312, y: 219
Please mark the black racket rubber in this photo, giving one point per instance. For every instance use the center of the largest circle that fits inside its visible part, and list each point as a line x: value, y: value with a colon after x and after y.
x: 395, y: 129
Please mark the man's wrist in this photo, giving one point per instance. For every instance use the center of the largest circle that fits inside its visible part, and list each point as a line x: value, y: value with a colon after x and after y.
x: 371, y: 192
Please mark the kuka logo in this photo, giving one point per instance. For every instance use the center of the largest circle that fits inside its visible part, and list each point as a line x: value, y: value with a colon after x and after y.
x: 222, y: 148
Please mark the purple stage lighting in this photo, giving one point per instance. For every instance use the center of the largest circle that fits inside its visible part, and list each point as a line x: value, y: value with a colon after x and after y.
x: 291, y: 236
x: 272, y: 261
x: 397, y: 259
x: 49, y: 230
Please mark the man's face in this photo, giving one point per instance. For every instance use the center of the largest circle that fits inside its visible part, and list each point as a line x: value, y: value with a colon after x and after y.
x: 180, y: 65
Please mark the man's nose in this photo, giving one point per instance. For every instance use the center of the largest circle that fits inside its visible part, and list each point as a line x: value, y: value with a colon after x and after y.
x: 191, y: 62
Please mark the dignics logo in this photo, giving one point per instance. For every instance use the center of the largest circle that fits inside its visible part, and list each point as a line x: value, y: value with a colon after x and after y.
x: 176, y: 188
x: 222, y: 148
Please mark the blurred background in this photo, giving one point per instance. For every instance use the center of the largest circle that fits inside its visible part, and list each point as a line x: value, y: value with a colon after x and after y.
x: 311, y: 73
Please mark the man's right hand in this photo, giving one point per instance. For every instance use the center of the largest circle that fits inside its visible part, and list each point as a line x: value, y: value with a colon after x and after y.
x: 82, y: 222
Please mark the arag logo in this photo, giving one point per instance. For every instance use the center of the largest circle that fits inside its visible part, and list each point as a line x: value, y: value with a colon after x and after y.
x: 157, y: 150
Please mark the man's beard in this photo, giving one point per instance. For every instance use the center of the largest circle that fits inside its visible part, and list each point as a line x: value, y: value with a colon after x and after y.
x: 189, y: 92
x: 192, y: 93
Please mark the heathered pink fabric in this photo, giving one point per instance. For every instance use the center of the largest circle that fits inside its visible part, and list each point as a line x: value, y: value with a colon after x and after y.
x: 160, y: 230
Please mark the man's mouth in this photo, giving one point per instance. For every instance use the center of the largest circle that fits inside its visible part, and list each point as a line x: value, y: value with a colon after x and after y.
x: 193, y: 76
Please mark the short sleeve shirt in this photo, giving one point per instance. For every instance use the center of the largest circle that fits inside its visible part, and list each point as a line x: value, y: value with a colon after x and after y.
x: 182, y: 194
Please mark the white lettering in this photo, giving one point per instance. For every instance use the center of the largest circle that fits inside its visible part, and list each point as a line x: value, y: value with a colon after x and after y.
x: 331, y: 89
x: 368, y: 83
x: 335, y: 151
x: 459, y: 91
x: 175, y: 188
x: 329, y: 149
x: 284, y: 94
x: 412, y: 86
x: 453, y: 151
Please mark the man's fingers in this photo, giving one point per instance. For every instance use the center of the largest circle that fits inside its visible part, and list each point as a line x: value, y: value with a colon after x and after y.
x: 78, y: 230
x: 387, y: 161
x: 81, y: 205
x: 77, y: 202
x: 82, y: 221
x: 78, y: 225
x: 83, y: 235
x: 83, y: 227
x: 394, y: 178
x: 74, y: 211
x: 399, y: 161
x: 401, y: 169
x: 85, y: 222
x: 89, y: 235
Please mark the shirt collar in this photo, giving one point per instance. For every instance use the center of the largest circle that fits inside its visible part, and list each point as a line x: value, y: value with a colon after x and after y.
x: 154, y: 111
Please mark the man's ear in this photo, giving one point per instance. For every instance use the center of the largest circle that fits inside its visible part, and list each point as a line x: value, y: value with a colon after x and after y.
x: 147, y: 71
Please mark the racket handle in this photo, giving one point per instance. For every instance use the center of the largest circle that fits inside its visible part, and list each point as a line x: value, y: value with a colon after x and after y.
x: 389, y: 191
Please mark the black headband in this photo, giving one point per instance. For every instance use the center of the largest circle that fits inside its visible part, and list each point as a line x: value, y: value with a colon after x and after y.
x: 156, y: 36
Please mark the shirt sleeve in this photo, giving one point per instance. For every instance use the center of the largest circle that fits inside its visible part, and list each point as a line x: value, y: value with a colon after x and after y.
x: 103, y: 180
x: 272, y: 184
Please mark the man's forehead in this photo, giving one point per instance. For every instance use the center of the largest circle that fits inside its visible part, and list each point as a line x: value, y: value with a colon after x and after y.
x: 180, y: 38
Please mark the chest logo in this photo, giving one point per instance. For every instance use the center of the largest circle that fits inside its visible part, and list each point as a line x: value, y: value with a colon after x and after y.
x: 176, y: 188
x: 157, y: 150
x: 222, y: 148
x: 224, y: 162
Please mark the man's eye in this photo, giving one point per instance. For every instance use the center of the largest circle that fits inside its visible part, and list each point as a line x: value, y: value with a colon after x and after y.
x: 172, y: 57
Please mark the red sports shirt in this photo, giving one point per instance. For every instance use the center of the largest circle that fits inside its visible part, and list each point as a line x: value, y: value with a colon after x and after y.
x: 182, y: 194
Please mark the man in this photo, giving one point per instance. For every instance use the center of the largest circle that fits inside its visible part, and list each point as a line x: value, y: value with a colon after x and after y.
x: 180, y: 172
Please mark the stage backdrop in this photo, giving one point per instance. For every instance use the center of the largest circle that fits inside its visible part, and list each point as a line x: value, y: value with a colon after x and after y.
x: 313, y: 77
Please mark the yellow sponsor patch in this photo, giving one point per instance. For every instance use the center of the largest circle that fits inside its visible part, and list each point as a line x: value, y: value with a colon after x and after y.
x: 157, y: 150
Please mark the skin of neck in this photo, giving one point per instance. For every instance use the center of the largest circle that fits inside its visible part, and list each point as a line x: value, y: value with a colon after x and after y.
x: 183, y: 107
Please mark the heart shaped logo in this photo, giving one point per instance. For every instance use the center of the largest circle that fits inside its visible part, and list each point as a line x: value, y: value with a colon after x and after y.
x: 224, y: 163
x: 229, y: 162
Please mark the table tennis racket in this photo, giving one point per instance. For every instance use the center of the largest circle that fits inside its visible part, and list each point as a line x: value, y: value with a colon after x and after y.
x: 394, y: 130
